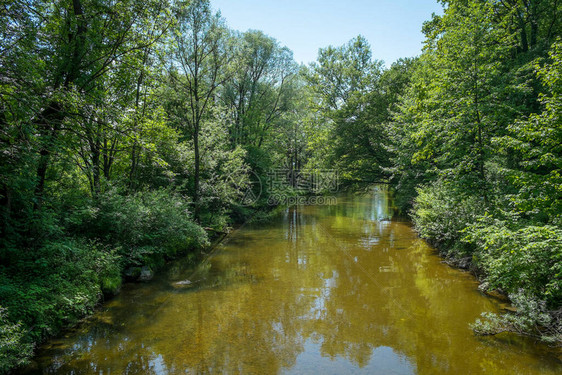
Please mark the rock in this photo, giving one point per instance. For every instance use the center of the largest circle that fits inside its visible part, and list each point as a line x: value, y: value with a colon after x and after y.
x: 464, y: 263
x: 146, y: 274
x: 111, y: 285
x: 132, y: 273
x: 484, y: 287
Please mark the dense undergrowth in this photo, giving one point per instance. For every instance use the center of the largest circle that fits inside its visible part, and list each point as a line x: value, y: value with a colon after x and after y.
x: 81, y: 257
x: 518, y: 257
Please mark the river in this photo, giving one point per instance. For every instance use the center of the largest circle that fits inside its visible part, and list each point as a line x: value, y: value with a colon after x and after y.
x: 338, y: 289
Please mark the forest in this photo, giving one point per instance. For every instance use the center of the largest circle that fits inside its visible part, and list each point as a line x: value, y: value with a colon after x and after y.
x: 131, y: 130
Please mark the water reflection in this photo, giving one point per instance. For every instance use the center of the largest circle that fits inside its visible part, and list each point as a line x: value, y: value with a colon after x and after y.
x: 330, y: 289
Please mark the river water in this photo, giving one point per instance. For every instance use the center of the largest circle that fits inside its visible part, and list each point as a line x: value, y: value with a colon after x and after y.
x: 338, y: 289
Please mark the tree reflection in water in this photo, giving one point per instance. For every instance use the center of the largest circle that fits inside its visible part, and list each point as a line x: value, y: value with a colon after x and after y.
x: 330, y: 289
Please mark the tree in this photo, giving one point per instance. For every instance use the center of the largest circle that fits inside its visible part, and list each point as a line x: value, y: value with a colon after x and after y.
x: 261, y: 89
x: 459, y: 102
x: 198, y: 67
x: 347, y: 93
x: 537, y: 139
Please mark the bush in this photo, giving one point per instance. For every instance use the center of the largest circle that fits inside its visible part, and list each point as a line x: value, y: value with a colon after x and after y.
x: 57, y: 285
x: 527, y: 258
x: 14, y: 350
x: 441, y: 213
x: 148, y: 227
x: 48, y: 288
x: 531, y: 318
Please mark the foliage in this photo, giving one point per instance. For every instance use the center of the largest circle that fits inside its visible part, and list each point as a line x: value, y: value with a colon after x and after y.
x: 536, y: 139
x: 14, y: 351
x: 441, y: 212
x: 347, y: 92
x: 198, y: 66
x: 261, y: 90
x: 50, y: 288
x: 527, y: 258
x: 147, y: 227
x: 531, y: 318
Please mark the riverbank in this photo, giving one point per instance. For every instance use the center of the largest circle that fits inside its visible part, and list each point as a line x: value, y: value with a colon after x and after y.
x: 114, y: 240
x: 519, y: 259
x: 83, y: 258
x: 119, y: 239
x: 333, y: 289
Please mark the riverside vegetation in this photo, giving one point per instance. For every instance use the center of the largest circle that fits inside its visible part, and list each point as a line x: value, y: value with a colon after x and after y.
x: 128, y: 127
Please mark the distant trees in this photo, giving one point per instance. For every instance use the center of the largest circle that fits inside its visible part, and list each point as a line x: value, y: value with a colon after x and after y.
x: 261, y: 90
x: 352, y: 96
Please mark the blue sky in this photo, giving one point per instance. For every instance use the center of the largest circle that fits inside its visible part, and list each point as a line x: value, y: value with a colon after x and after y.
x: 393, y: 27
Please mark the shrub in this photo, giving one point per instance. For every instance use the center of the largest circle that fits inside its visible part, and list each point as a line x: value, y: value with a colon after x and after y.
x: 527, y: 258
x: 48, y: 288
x: 57, y: 285
x: 531, y: 318
x: 14, y: 350
x: 441, y: 213
x: 148, y: 227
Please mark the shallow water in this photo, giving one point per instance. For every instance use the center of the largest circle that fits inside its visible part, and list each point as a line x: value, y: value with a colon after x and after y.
x: 322, y: 289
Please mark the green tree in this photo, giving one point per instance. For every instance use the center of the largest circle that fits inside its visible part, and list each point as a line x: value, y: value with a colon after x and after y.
x: 458, y: 94
x: 198, y: 67
x: 348, y: 94
x: 537, y: 139
x: 261, y: 89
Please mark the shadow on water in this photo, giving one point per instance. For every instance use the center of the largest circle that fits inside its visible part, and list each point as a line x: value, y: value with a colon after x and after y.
x: 335, y: 289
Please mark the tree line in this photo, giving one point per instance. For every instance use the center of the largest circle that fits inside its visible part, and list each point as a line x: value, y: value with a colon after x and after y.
x: 128, y: 127
x: 469, y: 135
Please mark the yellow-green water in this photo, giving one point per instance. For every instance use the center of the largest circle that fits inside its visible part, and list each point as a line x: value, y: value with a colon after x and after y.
x: 321, y: 289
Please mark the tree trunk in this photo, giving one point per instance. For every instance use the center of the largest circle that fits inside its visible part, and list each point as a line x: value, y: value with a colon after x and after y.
x: 49, y: 121
x: 196, y: 175
x: 108, y: 157
x: 134, y: 164
x: 96, y: 172
x: 52, y: 115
